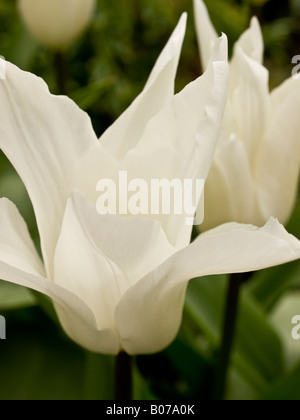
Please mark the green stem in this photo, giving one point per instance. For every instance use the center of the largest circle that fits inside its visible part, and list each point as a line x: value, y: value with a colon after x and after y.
x: 229, y: 328
x: 123, y: 377
x: 61, y: 72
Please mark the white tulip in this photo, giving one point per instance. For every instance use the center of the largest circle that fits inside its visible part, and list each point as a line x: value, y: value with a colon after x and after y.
x: 56, y: 23
x: 118, y: 282
x: 256, y: 166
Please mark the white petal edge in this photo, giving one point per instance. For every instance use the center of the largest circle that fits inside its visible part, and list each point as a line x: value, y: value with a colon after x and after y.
x: 278, y: 162
x: 84, y: 270
x: 20, y: 264
x: 251, y: 41
x: 44, y: 136
x: 136, y: 244
x: 158, y: 298
x: 206, y: 33
x: 126, y: 131
x: 250, y: 101
x: 230, y: 187
x: 181, y: 139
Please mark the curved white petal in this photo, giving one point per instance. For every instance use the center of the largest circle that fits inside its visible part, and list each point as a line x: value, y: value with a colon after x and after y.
x: 20, y: 264
x: 84, y: 270
x: 97, y: 164
x: 281, y: 93
x: 158, y: 298
x: 99, y: 257
x: 206, y: 33
x: 126, y: 131
x: 230, y: 192
x: 44, y: 136
x: 16, y: 247
x: 278, y: 164
x: 181, y: 139
x: 249, y: 99
x: 251, y: 42
x: 136, y: 245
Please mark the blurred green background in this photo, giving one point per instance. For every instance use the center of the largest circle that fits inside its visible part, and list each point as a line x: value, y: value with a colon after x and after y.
x: 107, y: 67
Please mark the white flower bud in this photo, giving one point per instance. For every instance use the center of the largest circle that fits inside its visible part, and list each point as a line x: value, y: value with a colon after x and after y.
x: 56, y: 23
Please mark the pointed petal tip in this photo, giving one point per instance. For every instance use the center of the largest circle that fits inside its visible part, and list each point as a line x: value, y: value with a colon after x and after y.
x: 180, y: 29
x: 183, y: 18
x: 220, y: 51
x: 255, y: 23
x: 274, y: 227
x: 223, y: 45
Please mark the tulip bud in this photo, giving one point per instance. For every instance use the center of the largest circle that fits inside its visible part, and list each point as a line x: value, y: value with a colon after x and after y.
x: 56, y: 23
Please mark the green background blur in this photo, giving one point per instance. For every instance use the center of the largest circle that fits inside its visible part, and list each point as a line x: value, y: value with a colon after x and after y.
x: 107, y: 67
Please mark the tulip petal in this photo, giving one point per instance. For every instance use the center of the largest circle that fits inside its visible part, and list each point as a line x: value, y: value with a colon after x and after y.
x: 278, y: 163
x: 282, y: 92
x: 230, y: 187
x: 184, y: 150
x: 99, y: 257
x: 20, y: 264
x: 250, y: 103
x: 136, y: 245
x: 251, y: 42
x: 158, y: 298
x: 126, y: 131
x: 207, y: 35
x: 43, y: 136
x: 84, y: 270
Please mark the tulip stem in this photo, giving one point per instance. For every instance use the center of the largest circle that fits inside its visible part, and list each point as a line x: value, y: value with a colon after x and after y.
x: 123, y: 377
x: 61, y: 72
x: 229, y: 328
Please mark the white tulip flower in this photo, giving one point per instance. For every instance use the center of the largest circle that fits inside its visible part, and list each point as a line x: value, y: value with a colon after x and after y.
x: 255, y: 171
x: 56, y: 23
x: 119, y: 282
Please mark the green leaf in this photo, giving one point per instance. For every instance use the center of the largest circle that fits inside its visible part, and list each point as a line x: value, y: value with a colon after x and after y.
x: 294, y: 226
x: 179, y: 372
x: 15, y: 297
x: 99, y: 377
x: 37, y: 361
x: 286, y: 389
x: 193, y: 369
x: 281, y: 317
x: 205, y: 304
x: 257, y: 342
x: 141, y: 387
x: 87, y: 96
x: 46, y: 304
x: 257, y: 353
x: 239, y: 389
x: 269, y: 285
